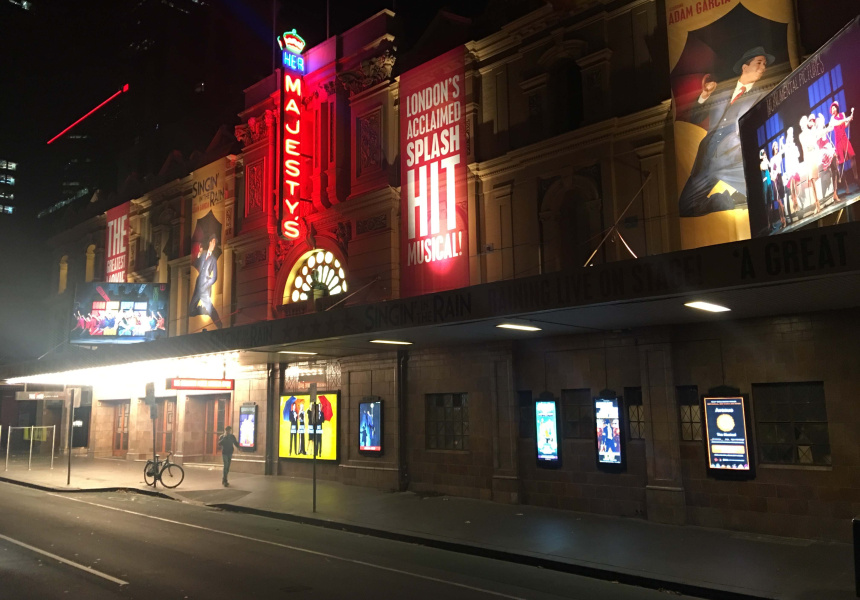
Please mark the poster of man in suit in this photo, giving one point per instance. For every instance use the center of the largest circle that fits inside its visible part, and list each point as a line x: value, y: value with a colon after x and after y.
x: 724, y: 57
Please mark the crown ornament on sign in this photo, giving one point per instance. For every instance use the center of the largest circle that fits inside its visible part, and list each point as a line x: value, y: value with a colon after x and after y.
x: 292, y: 42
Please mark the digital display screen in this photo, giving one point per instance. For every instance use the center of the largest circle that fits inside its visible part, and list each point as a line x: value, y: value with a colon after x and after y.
x: 799, y: 160
x: 726, y: 434
x: 307, y: 429
x: 546, y: 422
x: 370, y: 427
x: 248, y: 427
x: 607, y: 418
x: 119, y: 313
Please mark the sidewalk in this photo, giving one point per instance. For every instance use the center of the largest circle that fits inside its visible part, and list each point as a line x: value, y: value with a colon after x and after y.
x: 691, y: 560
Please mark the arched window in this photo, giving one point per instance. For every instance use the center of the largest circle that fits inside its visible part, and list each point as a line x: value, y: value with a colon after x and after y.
x: 89, y: 274
x: 317, y: 269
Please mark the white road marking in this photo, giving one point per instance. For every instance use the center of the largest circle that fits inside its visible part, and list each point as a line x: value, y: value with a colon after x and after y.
x: 296, y: 549
x: 65, y: 561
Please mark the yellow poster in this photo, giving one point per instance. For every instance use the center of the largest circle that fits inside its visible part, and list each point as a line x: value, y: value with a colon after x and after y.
x: 720, y: 54
x: 306, y: 429
x: 208, y: 193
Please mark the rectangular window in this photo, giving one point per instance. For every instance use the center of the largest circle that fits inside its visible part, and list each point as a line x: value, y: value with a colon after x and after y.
x: 577, y: 411
x: 791, y: 423
x: 527, y: 414
x: 447, y: 422
x: 690, y: 407
x: 635, y: 412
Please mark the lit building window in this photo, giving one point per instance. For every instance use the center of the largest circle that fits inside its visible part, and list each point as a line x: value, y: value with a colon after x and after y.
x: 7, y: 209
x: 7, y: 179
x: 318, y: 269
x: 7, y: 196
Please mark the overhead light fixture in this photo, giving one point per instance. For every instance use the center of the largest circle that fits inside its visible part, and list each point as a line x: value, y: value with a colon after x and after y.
x: 518, y: 327
x: 707, y: 306
x: 296, y: 352
x: 393, y: 342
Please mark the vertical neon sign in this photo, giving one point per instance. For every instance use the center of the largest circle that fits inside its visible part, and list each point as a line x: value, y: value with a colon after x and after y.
x: 291, y: 116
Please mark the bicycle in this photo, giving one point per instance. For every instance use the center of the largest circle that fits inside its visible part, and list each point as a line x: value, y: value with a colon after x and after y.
x: 169, y: 473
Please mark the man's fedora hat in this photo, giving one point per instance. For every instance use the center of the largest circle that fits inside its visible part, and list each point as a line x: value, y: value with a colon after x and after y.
x: 751, y: 54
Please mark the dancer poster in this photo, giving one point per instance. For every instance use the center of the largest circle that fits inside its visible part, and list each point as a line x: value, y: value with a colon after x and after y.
x: 208, y: 194
x: 721, y: 55
x: 799, y: 158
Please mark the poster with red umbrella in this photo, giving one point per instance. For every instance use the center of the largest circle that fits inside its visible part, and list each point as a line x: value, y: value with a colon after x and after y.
x: 208, y: 192
x: 305, y: 430
x: 722, y: 59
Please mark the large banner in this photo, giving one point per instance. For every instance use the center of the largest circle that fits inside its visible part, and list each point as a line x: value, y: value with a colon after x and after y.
x: 719, y: 54
x: 798, y: 156
x: 208, y: 191
x: 306, y: 428
x: 434, y: 223
x: 116, y: 243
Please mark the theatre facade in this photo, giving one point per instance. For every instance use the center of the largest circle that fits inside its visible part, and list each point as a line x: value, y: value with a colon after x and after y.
x: 476, y: 254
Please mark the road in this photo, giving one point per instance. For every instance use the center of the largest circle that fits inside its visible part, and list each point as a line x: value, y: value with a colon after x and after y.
x: 124, y: 545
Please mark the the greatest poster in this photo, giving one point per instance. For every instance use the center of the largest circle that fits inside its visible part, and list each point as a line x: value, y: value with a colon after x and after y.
x: 434, y: 234
x: 607, y: 416
x: 722, y: 56
x: 116, y: 243
x: 546, y: 423
x: 798, y: 154
x: 208, y: 194
x: 308, y: 430
x: 119, y: 313
x: 726, y: 434
x: 370, y: 427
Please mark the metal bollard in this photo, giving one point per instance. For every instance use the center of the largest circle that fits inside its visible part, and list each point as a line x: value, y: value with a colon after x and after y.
x: 855, y: 523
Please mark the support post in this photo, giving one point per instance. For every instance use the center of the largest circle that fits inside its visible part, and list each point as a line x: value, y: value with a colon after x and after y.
x: 8, y: 442
x: 71, y: 423
x: 314, y: 438
x: 53, y: 443
x: 30, y: 462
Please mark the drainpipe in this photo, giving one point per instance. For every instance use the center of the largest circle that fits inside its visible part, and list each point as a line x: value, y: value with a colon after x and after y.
x: 401, y: 390
x: 272, y: 407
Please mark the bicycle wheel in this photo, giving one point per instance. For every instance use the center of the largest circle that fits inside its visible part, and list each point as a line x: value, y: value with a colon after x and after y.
x: 172, y: 475
x: 148, y: 474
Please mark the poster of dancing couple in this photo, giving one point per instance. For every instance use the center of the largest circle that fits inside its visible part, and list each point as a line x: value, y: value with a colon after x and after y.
x: 799, y: 161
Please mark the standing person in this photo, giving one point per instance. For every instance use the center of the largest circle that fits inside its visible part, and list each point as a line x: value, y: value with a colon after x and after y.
x: 792, y: 168
x: 718, y: 158
x: 839, y: 123
x: 207, y: 275
x: 777, y: 181
x: 809, y: 142
x: 227, y: 442
x: 294, y: 419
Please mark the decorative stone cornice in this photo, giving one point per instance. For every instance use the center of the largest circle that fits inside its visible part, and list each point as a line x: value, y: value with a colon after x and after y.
x: 372, y: 71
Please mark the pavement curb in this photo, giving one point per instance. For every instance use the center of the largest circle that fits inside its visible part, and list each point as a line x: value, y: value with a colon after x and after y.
x: 59, y: 490
x: 689, y: 589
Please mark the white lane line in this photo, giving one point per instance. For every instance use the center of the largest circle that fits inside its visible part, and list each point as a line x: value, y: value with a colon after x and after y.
x: 65, y: 561
x: 296, y: 549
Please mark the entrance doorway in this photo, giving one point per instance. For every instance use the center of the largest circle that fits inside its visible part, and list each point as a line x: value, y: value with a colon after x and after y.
x: 165, y: 426
x: 120, y: 428
x: 216, y: 417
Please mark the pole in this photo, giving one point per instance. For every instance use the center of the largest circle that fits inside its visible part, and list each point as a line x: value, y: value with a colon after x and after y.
x: 71, y: 419
x: 314, y: 460
x: 53, y: 443
x: 30, y: 462
x: 8, y: 441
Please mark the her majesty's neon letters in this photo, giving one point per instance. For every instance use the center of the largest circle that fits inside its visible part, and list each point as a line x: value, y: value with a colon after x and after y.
x: 292, y: 119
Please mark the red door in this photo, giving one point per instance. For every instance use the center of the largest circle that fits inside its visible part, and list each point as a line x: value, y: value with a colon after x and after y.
x: 217, y: 416
x: 120, y: 428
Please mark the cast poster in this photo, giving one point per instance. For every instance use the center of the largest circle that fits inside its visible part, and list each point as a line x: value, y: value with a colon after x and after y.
x: 720, y: 56
x: 434, y: 234
x: 116, y: 243
x: 798, y: 154
x: 370, y: 426
x: 208, y: 193
x: 306, y: 430
x: 608, y: 431
x: 725, y: 424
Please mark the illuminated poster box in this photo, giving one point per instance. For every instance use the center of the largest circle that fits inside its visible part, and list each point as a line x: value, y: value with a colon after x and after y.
x: 726, y: 437
x: 799, y: 161
x: 370, y: 427
x: 546, y: 424
x: 609, y: 437
x: 248, y: 427
x: 305, y: 430
x: 119, y: 313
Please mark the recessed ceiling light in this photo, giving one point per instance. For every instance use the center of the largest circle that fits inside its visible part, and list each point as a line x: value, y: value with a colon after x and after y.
x: 296, y: 352
x: 707, y: 306
x: 394, y: 342
x: 518, y: 327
